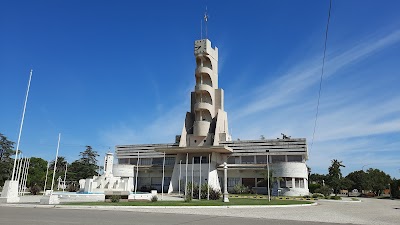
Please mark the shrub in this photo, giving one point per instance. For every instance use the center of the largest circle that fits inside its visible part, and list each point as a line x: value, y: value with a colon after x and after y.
x: 115, y: 198
x: 318, y: 195
x: 188, y: 197
x: 336, y: 198
x: 154, y: 198
x: 240, y: 189
x: 325, y: 190
x: 312, y: 187
x: 215, y: 194
x: 35, y: 189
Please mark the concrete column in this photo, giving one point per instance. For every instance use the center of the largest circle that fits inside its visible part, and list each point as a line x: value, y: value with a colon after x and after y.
x: 225, y: 195
x: 293, y: 182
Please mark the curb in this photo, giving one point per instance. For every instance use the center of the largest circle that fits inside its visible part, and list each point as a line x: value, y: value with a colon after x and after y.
x: 125, y: 208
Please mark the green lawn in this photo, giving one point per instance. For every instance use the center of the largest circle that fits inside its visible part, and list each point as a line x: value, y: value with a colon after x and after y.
x: 232, y: 201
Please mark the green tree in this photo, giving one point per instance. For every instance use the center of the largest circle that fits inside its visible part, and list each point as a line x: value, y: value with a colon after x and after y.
x: 37, y: 173
x: 316, y: 178
x: 359, y: 180
x: 377, y: 180
x: 6, y: 162
x: 395, y: 188
x: 335, y: 176
x: 84, y: 167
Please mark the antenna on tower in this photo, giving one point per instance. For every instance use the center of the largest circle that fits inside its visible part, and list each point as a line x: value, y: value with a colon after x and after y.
x: 201, y: 29
x: 205, y: 21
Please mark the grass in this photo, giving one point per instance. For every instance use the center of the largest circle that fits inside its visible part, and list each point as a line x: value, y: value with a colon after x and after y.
x: 355, y: 199
x: 232, y: 201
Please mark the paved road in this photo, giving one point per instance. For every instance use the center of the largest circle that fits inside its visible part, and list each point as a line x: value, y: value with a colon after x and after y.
x: 369, y: 212
x: 47, y: 216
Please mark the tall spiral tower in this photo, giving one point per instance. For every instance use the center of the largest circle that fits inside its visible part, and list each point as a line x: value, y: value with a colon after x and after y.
x: 206, y: 124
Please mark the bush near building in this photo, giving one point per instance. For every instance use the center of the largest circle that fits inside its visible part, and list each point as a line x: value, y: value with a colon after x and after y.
x: 395, y: 188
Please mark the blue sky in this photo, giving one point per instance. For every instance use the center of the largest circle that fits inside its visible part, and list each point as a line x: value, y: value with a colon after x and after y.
x: 120, y: 72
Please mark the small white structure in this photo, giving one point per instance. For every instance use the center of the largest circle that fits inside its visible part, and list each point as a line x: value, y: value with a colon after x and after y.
x: 114, y: 178
x: 10, y: 192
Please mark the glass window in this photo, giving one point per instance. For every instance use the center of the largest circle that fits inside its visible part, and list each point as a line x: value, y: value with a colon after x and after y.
x: 278, y: 158
x: 289, y: 182
x: 247, y: 159
x: 234, y: 160
x: 203, y: 159
x: 261, y: 159
x: 133, y: 161
x: 169, y: 160
x: 295, y: 158
x: 261, y: 182
x: 232, y: 181
x: 282, y: 182
x: 145, y: 161
x: 249, y: 182
x: 158, y: 161
x: 123, y: 161
x: 299, y: 182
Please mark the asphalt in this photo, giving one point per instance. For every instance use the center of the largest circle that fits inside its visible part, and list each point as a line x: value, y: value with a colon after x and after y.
x: 366, y: 211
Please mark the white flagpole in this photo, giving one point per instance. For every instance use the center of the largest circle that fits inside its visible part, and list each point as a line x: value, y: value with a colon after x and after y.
x: 45, y: 181
x: 208, y: 179
x: 180, y: 175
x: 201, y: 157
x: 65, y: 174
x: 192, y: 176
x: 55, y: 163
x: 23, y: 175
x: 26, y: 176
x: 17, y: 168
x: 20, y: 173
x: 162, y: 182
x: 20, y: 168
x: 137, y: 173
x: 187, y: 159
x: 21, y: 125
x: 269, y: 195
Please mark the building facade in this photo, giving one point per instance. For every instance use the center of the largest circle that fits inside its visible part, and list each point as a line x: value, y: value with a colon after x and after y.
x: 204, y: 145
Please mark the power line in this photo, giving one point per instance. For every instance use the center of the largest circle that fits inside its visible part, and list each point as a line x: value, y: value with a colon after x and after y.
x: 322, y: 72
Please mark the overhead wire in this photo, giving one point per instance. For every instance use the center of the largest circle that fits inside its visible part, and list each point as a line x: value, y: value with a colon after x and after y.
x: 322, y: 73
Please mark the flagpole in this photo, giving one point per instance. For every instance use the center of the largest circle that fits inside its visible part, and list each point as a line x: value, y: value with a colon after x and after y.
x: 201, y: 157
x: 137, y: 173
x: 162, y: 182
x: 192, y: 176
x: 65, y: 174
x: 26, y: 176
x: 269, y: 195
x: 208, y: 179
x: 55, y: 163
x: 180, y: 172
x: 45, y: 181
x: 21, y: 125
x: 187, y: 159
x: 20, y: 173
x: 20, y: 168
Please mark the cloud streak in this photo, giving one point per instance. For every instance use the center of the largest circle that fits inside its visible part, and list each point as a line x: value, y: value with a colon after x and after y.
x: 286, y: 88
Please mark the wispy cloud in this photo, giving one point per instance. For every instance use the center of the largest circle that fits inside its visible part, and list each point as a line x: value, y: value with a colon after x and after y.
x: 354, y: 119
x: 305, y: 74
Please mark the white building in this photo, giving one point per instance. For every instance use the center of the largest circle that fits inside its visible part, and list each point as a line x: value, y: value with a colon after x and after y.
x: 205, y: 138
